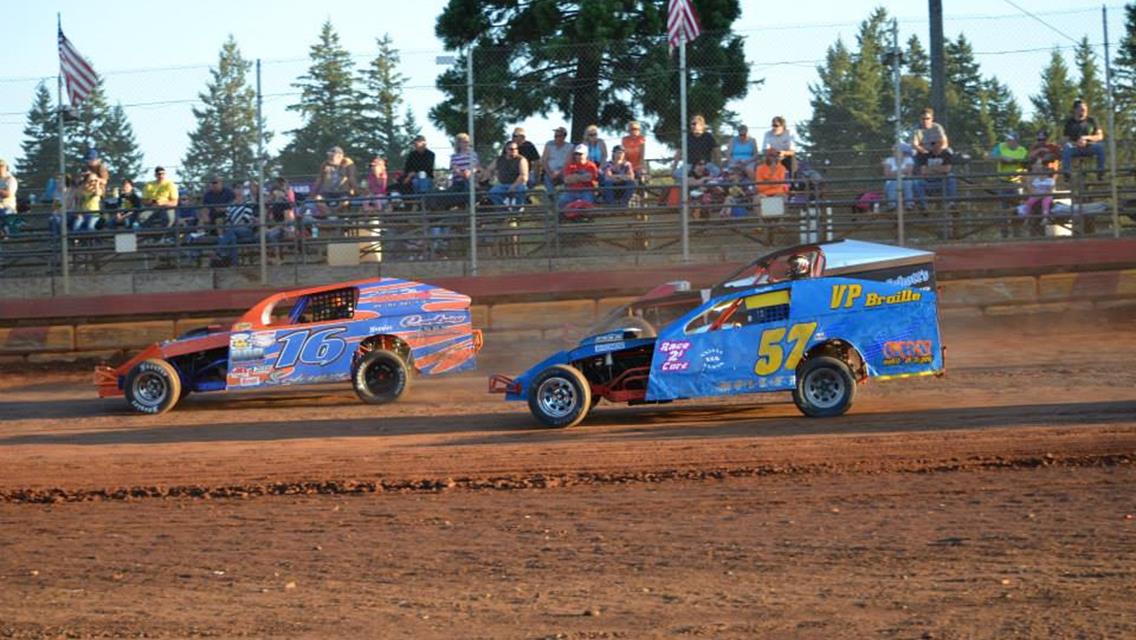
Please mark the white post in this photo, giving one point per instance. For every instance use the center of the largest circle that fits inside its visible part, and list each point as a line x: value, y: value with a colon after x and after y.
x: 685, y: 161
x: 1111, y: 129
x: 473, y: 177
x: 260, y: 182
x: 61, y: 185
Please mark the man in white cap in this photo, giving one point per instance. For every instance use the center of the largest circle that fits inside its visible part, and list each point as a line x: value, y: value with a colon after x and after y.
x: 580, y: 178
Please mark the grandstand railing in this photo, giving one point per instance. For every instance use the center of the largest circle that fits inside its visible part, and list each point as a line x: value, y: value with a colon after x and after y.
x: 416, y: 229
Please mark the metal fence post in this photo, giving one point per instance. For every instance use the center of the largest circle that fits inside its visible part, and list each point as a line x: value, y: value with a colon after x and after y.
x: 897, y: 153
x: 1111, y: 128
x: 473, y: 179
x: 260, y: 181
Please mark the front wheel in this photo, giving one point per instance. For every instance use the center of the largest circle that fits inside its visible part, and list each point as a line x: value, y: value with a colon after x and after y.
x: 825, y: 387
x: 380, y: 377
x: 560, y: 396
x: 153, y: 386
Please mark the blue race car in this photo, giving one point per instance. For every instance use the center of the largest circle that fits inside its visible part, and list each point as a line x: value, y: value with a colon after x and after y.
x: 813, y: 319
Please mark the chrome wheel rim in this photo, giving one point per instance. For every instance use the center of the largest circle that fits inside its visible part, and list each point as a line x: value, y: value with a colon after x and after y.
x: 824, y: 388
x: 150, y: 389
x: 557, y: 397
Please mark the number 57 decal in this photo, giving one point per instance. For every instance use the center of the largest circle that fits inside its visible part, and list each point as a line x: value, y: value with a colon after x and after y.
x: 771, y: 348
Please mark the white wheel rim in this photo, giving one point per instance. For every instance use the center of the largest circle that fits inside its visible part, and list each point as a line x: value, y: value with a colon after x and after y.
x: 824, y: 388
x: 557, y: 397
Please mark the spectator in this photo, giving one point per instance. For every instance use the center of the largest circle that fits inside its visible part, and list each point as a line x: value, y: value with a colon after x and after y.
x: 780, y: 139
x: 87, y: 202
x: 512, y: 178
x: 1042, y: 185
x: 927, y: 132
x: 934, y: 169
x: 124, y: 205
x: 618, y: 178
x: 335, y: 183
x: 1044, y: 150
x: 376, y: 185
x: 557, y: 154
x: 162, y: 195
x: 1083, y: 138
x: 8, y: 188
x: 701, y: 145
x: 281, y: 215
x: 216, y: 200
x: 737, y: 194
x: 240, y: 227
x: 528, y: 152
x: 597, y: 148
x: 95, y: 166
x: 1010, y: 158
x: 703, y: 190
x: 892, y: 169
x: 770, y: 175
x: 464, y: 166
x: 580, y: 178
x: 635, y: 149
x: 741, y: 152
x: 418, y: 172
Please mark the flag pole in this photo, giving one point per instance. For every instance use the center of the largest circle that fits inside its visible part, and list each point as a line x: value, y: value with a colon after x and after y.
x: 685, y: 159
x: 61, y: 185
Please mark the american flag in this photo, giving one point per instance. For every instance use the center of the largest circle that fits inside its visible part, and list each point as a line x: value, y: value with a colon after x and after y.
x: 78, y: 73
x: 682, y: 22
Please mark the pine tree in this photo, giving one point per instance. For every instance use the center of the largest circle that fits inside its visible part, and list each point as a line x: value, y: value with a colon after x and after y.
x: 385, y: 131
x: 105, y: 129
x: 225, y: 141
x: 1090, y: 88
x: 1124, y: 76
x: 915, y: 83
x: 829, y: 127
x: 1051, y: 105
x: 328, y: 106
x: 40, y: 159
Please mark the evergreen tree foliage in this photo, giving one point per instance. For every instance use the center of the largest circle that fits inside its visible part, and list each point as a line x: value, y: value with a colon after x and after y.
x: 328, y: 106
x: 1090, y: 87
x: 600, y: 62
x: 40, y: 146
x: 385, y: 131
x: 106, y: 129
x: 982, y: 110
x: 915, y: 83
x: 1124, y: 76
x: 225, y: 139
x: 1055, y: 97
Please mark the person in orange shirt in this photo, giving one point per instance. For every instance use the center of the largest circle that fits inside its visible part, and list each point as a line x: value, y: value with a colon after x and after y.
x: 770, y: 176
x: 634, y: 149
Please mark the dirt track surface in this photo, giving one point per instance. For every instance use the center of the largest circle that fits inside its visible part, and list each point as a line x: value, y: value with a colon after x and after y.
x: 995, y: 502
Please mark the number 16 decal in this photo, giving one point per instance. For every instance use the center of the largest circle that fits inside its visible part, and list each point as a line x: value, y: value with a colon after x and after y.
x: 771, y: 353
x: 318, y: 348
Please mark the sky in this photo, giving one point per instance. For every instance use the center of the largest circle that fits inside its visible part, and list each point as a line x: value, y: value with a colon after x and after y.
x: 156, y: 58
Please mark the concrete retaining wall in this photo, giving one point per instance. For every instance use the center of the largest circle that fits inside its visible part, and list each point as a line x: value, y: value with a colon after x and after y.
x: 558, y: 322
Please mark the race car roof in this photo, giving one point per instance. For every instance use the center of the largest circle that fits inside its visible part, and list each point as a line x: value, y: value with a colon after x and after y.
x: 847, y: 256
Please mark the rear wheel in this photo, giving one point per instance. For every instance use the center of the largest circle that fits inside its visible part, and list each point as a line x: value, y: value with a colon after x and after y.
x: 153, y: 386
x: 380, y: 377
x: 560, y: 396
x: 825, y: 387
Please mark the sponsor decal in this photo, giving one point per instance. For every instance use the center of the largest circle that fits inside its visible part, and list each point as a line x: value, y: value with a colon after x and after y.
x: 912, y: 279
x: 242, y: 326
x: 419, y: 321
x: 676, y: 351
x: 615, y: 336
x: 713, y: 359
x: 280, y: 374
x: 381, y: 328
x: 846, y: 295
x: 263, y: 339
x: 609, y: 346
x: 897, y: 352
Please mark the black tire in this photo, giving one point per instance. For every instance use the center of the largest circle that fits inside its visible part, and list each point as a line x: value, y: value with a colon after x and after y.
x: 380, y: 377
x: 153, y: 386
x: 560, y: 396
x: 825, y: 387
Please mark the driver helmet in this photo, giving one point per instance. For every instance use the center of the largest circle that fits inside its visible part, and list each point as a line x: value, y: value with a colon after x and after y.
x: 798, y: 266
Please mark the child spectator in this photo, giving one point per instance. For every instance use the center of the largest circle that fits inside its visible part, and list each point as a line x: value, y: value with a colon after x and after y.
x: 1042, y: 185
x: 376, y: 185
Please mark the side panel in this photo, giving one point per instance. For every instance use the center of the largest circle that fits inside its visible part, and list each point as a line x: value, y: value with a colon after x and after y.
x: 895, y: 327
x: 319, y: 352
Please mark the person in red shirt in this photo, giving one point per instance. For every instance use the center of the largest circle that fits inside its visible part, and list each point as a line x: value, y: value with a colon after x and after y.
x: 634, y: 148
x: 580, y: 178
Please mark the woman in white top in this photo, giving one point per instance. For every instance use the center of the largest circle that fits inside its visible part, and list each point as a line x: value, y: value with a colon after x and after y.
x: 781, y: 139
